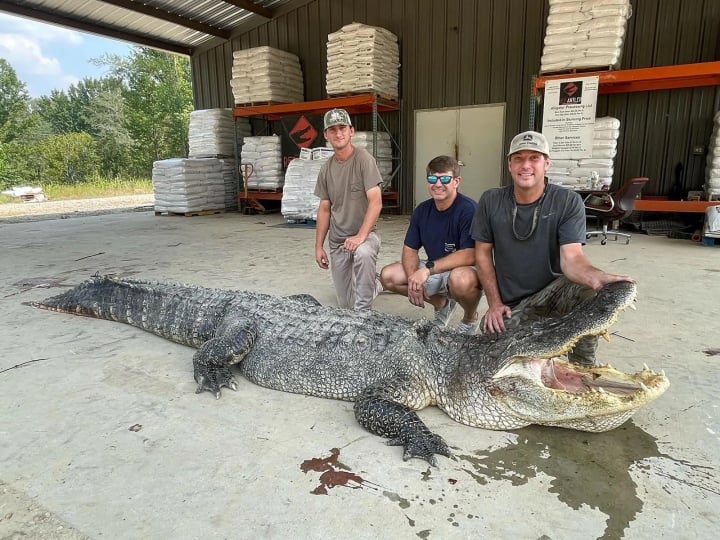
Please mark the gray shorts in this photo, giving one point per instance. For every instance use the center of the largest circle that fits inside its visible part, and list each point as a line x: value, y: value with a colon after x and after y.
x: 436, y: 283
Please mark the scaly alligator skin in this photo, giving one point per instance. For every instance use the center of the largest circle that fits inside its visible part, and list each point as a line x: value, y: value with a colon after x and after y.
x: 388, y: 365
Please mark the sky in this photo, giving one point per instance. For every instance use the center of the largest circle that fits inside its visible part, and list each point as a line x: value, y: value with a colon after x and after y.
x: 47, y: 57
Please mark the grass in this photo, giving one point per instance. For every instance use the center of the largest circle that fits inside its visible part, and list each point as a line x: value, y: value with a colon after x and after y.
x: 96, y: 188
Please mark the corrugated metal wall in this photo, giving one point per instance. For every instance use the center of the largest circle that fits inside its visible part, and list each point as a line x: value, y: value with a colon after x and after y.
x: 467, y: 52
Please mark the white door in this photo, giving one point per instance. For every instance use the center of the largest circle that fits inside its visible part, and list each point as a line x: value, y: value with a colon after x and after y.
x: 473, y: 135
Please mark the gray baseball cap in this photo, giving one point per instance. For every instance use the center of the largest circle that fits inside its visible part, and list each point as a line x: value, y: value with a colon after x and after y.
x: 337, y: 117
x: 529, y: 140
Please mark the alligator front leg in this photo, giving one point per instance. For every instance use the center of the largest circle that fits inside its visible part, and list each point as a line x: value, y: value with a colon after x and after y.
x: 212, y: 361
x: 378, y: 410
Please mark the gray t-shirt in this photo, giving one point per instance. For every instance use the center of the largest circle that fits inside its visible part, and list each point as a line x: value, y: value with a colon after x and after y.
x: 344, y: 184
x: 525, y: 266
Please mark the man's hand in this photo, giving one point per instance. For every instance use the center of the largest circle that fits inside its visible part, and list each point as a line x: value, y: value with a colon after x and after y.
x: 321, y: 258
x: 494, y: 321
x: 416, y: 287
x: 353, y: 242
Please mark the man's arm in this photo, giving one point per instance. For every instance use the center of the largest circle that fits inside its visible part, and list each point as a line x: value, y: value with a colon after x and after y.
x: 577, y: 268
x: 497, y: 310
x: 374, y: 196
x: 322, y: 226
x: 461, y: 257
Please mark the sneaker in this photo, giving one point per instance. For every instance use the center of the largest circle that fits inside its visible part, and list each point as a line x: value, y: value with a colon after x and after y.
x: 443, y: 316
x: 379, y: 289
x: 468, y: 328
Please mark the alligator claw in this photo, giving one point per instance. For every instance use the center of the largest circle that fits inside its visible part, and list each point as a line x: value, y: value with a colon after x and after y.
x: 213, y: 379
x: 423, y: 446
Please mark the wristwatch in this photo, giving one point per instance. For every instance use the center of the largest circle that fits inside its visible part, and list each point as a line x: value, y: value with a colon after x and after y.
x: 430, y: 265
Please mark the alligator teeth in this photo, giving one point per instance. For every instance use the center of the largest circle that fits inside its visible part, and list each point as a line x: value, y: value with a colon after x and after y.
x: 644, y: 388
x: 601, y: 390
x: 632, y: 306
x: 645, y: 367
x: 606, y: 336
x: 662, y: 372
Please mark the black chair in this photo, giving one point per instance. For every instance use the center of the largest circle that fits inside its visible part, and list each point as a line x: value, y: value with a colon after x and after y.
x: 608, y: 207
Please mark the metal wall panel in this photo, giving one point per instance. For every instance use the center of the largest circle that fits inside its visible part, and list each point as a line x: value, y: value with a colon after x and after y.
x: 466, y: 52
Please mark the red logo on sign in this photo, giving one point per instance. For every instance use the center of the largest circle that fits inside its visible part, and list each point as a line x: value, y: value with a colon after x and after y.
x: 303, y: 134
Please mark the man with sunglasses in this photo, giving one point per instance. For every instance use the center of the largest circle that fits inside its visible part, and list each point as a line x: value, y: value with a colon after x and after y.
x: 528, y: 247
x: 348, y: 187
x: 441, y: 226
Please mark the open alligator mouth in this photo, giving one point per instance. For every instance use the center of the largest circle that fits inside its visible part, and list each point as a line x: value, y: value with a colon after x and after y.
x: 557, y: 374
x: 555, y: 392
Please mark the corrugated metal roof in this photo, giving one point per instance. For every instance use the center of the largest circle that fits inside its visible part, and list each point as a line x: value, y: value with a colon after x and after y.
x: 174, y: 25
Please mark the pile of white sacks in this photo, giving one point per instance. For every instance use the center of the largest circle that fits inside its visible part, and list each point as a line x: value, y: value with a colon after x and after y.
x: 265, y: 74
x: 299, y: 202
x: 596, y: 171
x: 584, y: 34
x: 264, y: 154
x: 362, y: 58
x: 212, y: 133
x: 712, y: 170
x: 184, y: 185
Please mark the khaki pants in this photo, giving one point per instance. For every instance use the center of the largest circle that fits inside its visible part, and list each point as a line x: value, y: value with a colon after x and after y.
x: 353, y: 273
x: 558, y: 298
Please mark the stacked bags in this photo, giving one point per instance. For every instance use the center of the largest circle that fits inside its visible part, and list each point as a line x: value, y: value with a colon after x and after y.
x: 211, y: 133
x: 299, y: 202
x: 712, y: 169
x: 363, y: 58
x: 265, y: 74
x: 584, y: 34
x: 595, y: 172
x: 265, y: 155
x: 184, y: 185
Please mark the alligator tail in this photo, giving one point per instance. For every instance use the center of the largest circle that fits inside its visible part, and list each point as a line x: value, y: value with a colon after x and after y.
x: 181, y: 313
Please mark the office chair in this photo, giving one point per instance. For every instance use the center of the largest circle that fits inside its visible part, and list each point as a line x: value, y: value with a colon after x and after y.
x: 608, y: 207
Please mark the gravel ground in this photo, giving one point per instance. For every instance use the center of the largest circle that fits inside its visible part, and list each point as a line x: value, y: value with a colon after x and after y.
x: 31, y: 211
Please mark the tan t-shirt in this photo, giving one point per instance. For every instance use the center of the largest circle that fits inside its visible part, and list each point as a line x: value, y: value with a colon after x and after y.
x: 344, y: 184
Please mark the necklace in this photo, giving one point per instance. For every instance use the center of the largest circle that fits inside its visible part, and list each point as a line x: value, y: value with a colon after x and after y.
x: 536, y: 215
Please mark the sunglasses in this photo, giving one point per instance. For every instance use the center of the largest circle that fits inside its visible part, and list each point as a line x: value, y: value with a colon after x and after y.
x: 444, y: 179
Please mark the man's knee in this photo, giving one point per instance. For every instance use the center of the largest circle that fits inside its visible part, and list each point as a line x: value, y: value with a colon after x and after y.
x: 393, y: 276
x: 464, y: 281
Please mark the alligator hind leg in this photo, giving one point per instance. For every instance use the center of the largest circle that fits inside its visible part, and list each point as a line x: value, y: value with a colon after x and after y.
x: 212, y: 361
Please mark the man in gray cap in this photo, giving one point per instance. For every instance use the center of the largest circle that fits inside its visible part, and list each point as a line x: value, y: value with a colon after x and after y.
x: 528, y: 247
x: 348, y: 187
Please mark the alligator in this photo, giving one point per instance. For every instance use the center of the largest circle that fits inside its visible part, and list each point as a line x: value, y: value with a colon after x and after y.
x: 389, y: 366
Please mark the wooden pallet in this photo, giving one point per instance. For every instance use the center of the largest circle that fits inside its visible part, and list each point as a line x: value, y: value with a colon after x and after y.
x: 260, y: 103
x: 378, y: 95
x: 575, y: 71
x: 195, y: 213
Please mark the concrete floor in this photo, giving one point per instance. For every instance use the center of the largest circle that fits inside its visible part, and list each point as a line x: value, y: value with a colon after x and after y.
x: 102, y: 435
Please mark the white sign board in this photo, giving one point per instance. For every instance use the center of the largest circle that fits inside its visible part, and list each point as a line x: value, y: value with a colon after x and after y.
x: 569, y: 116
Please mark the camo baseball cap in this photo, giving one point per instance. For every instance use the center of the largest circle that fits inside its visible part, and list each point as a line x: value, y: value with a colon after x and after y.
x: 337, y: 117
x: 529, y: 140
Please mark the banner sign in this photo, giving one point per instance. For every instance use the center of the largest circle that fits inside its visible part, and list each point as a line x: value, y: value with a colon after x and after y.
x: 569, y: 116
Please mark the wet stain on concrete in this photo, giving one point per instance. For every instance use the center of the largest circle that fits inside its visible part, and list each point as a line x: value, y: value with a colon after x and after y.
x: 331, y: 476
x: 590, y: 469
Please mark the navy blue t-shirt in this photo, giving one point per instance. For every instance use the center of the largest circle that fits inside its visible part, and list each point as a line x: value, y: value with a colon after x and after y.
x: 441, y: 233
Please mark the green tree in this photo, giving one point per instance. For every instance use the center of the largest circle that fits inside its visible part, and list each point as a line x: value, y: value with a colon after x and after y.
x: 14, y: 103
x: 68, y: 158
x: 73, y: 111
x: 114, y: 142
x: 158, y: 98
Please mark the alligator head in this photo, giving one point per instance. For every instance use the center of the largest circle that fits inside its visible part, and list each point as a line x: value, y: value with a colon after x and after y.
x: 532, y: 385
